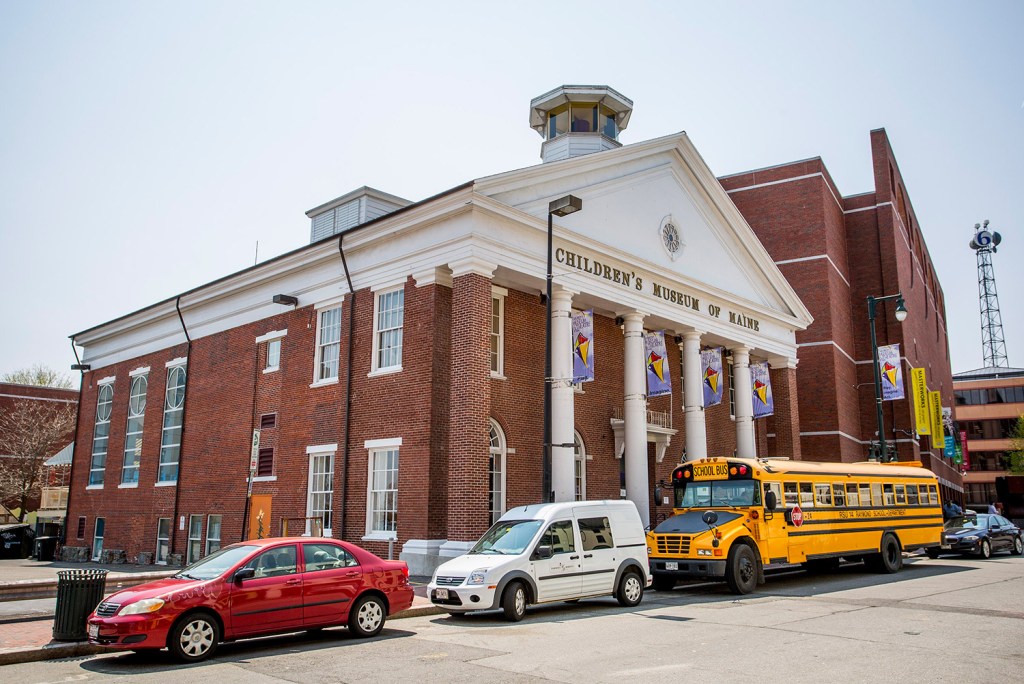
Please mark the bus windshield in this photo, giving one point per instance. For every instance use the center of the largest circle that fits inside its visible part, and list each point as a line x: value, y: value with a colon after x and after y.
x: 713, y: 493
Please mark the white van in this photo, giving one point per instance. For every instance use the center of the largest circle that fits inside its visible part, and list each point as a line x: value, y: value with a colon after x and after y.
x: 548, y: 552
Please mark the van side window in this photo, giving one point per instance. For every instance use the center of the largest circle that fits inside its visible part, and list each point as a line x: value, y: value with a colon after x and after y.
x: 559, y: 537
x: 595, y: 533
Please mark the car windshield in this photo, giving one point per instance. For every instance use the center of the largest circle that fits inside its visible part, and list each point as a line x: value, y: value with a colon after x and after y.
x: 973, y: 522
x: 216, y: 564
x: 718, y: 493
x: 507, y: 538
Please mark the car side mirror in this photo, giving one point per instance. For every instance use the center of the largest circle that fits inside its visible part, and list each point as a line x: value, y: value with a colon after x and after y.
x: 543, y: 552
x: 244, y: 574
x: 771, y: 501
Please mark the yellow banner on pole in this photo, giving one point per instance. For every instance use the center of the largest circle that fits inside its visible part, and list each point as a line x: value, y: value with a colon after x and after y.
x: 922, y: 412
x: 938, y: 431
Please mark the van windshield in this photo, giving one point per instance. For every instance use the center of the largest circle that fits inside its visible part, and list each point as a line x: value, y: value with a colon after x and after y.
x: 507, y: 538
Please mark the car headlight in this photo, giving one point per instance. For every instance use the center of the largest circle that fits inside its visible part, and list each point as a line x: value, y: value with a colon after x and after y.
x: 971, y: 538
x: 150, y: 605
x: 478, y: 576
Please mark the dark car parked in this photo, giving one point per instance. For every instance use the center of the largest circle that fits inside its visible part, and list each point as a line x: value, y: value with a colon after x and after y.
x: 980, y: 534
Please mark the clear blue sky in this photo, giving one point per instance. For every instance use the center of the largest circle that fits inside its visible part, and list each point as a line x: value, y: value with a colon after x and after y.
x: 145, y: 148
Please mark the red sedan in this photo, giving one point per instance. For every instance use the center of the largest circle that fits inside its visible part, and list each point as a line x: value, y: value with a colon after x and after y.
x: 254, y: 588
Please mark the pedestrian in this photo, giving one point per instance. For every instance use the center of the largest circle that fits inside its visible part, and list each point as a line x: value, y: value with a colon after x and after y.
x: 993, y: 509
x: 947, y: 510
x: 956, y: 509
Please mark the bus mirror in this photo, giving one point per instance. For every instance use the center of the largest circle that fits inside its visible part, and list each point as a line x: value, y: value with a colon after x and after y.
x: 771, y: 501
x: 709, y: 518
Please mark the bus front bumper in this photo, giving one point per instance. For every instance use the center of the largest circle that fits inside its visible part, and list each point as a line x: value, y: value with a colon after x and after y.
x: 687, y: 567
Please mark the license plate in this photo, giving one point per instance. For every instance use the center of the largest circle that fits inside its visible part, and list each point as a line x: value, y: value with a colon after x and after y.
x: 441, y: 594
x: 945, y: 546
x: 671, y: 565
x: 94, y: 631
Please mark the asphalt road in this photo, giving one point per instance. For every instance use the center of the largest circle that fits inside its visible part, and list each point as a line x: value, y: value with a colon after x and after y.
x: 946, y: 620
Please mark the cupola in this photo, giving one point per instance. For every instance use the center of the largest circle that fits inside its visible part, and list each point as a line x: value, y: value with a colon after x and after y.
x: 579, y: 119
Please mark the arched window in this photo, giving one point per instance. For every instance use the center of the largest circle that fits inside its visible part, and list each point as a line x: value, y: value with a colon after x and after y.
x: 580, y: 465
x: 496, y: 470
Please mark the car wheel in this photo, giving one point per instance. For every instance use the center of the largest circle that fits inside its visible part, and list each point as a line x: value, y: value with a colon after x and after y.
x: 985, y: 550
x: 932, y: 553
x: 513, y: 601
x: 1018, y: 546
x: 194, y: 637
x: 631, y: 589
x: 664, y: 583
x: 366, y: 618
x: 741, y: 569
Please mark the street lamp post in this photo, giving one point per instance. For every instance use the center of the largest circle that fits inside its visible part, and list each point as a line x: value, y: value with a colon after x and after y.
x: 901, y: 315
x: 563, y: 206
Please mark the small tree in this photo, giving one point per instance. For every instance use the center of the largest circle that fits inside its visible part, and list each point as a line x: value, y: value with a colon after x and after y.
x: 1016, y: 460
x: 41, y: 375
x: 30, y: 433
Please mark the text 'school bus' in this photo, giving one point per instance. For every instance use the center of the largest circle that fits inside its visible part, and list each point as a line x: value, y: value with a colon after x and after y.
x: 732, y: 517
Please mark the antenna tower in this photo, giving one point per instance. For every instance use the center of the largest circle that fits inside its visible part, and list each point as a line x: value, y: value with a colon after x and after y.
x: 993, y: 348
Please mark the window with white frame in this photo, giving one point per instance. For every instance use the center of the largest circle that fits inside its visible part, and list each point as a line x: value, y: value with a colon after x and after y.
x: 133, y: 431
x: 387, y: 330
x: 273, y: 355
x: 101, y: 434
x: 328, y: 344
x: 496, y: 470
x: 163, y: 541
x: 580, y: 465
x: 212, y: 534
x: 382, y: 489
x: 170, y: 438
x: 195, y: 539
x: 97, y: 538
x: 498, y: 331
x: 320, y: 499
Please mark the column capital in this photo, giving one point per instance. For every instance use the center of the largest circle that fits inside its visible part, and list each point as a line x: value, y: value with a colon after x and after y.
x: 692, y: 335
x: 432, y: 275
x: 783, y: 361
x: 472, y: 265
x: 561, y: 297
x: 740, y: 354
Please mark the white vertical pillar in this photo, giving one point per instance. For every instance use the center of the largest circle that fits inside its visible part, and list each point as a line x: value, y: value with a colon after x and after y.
x: 562, y: 396
x: 743, y: 392
x: 693, y: 397
x: 635, y: 415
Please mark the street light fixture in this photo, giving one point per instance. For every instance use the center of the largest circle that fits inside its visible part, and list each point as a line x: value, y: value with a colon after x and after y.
x: 901, y: 315
x: 563, y: 206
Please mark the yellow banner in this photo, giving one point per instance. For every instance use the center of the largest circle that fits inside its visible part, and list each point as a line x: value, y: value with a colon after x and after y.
x: 919, y: 390
x: 938, y: 432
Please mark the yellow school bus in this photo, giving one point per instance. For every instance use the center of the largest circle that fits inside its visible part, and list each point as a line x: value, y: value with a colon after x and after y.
x: 732, y: 517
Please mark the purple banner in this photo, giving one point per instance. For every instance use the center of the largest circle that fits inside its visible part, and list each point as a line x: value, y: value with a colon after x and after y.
x: 659, y: 380
x: 711, y: 376
x: 583, y: 346
x: 761, y: 384
x: 891, y: 371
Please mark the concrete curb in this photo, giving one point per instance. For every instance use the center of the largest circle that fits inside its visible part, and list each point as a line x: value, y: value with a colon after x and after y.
x: 21, y: 590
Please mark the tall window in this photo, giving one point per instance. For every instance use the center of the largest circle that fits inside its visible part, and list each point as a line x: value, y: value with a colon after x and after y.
x: 388, y: 323
x: 133, y: 433
x: 580, y: 464
x: 170, y: 439
x: 328, y: 344
x: 195, y: 539
x: 163, y: 541
x: 732, y: 391
x: 320, y: 503
x: 383, y: 509
x: 101, y: 434
x: 496, y: 471
x: 97, y: 538
x: 212, y: 534
x: 498, y: 331
x: 273, y: 355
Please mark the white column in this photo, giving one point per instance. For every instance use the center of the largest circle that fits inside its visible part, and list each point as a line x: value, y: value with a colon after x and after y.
x: 745, y: 447
x: 693, y: 397
x: 635, y: 415
x: 562, y: 396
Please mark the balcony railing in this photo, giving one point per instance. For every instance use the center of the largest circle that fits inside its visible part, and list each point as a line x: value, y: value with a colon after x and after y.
x: 658, y: 418
x: 54, y: 499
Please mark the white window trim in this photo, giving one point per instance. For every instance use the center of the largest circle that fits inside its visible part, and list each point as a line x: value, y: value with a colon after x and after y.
x: 265, y: 478
x: 582, y: 458
x: 274, y: 369
x: 129, y: 485
x: 334, y: 303
x: 144, y: 370
x: 500, y: 294
x: 313, y: 452
x: 94, y: 487
x: 169, y: 483
x: 376, y: 370
x: 371, y: 446
x: 106, y: 381
x: 275, y: 334
x: 180, y: 361
x: 320, y: 448
x: 502, y: 452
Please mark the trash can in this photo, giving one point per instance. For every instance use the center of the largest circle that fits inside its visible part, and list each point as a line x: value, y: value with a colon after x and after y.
x: 78, y: 593
x: 46, y: 548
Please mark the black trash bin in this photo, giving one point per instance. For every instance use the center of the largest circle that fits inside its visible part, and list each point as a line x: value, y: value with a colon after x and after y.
x: 46, y: 548
x: 78, y: 593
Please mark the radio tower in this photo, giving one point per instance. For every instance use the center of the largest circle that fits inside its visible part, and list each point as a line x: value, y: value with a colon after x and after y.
x: 993, y: 348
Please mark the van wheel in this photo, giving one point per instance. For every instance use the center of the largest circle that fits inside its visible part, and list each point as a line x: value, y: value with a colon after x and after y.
x: 631, y: 589
x: 513, y: 601
x: 664, y: 583
x: 741, y: 569
x: 889, y: 560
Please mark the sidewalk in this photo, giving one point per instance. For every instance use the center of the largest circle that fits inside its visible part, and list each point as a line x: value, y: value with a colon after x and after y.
x: 26, y: 624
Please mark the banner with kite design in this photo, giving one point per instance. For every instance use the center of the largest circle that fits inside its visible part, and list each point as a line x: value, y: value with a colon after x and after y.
x: 761, y: 383
x: 583, y: 346
x: 659, y: 379
x: 711, y: 376
x: 891, y: 372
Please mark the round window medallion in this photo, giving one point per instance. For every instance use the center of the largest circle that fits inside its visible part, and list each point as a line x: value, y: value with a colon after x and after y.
x: 671, y: 238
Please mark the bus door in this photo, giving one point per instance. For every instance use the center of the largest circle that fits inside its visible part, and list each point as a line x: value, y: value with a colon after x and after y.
x: 773, y: 533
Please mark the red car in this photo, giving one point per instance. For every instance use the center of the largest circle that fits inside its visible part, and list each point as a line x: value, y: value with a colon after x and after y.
x: 254, y: 588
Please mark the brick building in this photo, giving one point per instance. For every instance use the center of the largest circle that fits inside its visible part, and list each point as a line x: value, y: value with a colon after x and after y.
x: 384, y: 384
x: 837, y: 251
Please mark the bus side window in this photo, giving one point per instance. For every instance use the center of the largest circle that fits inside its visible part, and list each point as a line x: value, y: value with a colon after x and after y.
x: 890, y: 498
x: 806, y: 495
x: 851, y: 495
x: 774, y: 487
x: 865, y: 495
x: 901, y: 495
x: 822, y: 494
x: 876, y: 495
x: 933, y: 495
x: 792, y: 498
x: 838, y: 494
x: 912, y: 499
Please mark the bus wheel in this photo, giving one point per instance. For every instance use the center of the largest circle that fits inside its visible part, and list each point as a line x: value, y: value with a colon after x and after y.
x: 890, y: 559
x: 741, y: 569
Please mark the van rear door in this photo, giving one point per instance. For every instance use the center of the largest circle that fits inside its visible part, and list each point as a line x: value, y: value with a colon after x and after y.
x: 558, y: 577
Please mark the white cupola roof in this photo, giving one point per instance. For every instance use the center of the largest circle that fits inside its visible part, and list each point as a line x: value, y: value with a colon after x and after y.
x: 579, y: 119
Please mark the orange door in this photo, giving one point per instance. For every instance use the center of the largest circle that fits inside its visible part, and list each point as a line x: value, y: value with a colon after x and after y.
x: 259, y: 516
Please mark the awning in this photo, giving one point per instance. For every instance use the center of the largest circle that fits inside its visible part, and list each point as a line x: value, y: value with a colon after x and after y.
x: 62, y: 457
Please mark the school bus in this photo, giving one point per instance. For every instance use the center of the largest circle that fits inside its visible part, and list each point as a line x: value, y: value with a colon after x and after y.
x: 732, y: 517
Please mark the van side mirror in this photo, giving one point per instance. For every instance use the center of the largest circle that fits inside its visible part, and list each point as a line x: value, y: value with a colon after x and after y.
x: 771, y: 501
x: 543, y: 552
x: 244, y: 574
